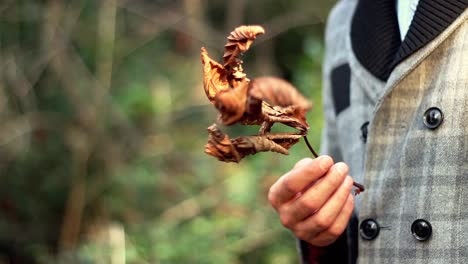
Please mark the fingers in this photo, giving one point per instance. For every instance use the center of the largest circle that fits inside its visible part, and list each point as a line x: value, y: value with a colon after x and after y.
x: 304, y: 162
x: 330, y: 221
x: 314, y: 200
x: 302, y: 175
x: 319, y: 194
x: 330, y: 235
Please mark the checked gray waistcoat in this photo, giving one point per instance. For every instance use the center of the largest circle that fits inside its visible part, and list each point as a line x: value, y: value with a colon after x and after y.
x: 410, y: 171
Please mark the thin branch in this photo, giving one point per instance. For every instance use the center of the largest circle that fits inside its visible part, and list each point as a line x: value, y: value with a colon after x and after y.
x: 310, y: 147
x: 171, y: 18
x: 105, y: 45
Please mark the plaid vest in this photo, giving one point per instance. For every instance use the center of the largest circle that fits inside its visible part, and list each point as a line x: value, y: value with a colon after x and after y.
x: 401, y: 123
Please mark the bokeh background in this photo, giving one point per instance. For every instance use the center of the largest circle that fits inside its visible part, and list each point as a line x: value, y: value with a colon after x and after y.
x: 103, y: 125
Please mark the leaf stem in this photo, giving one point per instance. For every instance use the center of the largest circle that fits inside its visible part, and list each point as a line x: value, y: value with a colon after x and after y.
x: 310, y: 147
x: 360, y: 187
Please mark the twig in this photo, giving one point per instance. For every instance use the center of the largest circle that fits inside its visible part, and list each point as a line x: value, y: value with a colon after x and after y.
x: 310, y: 147
x: 360, y: 187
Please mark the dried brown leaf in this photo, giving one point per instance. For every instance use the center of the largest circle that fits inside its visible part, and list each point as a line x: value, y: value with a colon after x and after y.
x: 239, y: 41
x: 231, y: 104
x: 214, y: 76
x: 278, y: 92
x: 263, y: 101
x: 285, y: 98
x: 233, y: 150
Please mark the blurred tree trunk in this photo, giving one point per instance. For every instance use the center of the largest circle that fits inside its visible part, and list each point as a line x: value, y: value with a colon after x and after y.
x: 105, y: 43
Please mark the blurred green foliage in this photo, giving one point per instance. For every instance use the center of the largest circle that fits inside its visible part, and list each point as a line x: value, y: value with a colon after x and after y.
x: 104, y: 123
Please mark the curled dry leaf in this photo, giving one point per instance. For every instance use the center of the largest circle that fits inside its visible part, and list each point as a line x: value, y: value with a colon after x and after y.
x: 233, y: 150
x: 263, y: 101
x: 215, y: 78
x: 278, y: 92
x: 239, y: 41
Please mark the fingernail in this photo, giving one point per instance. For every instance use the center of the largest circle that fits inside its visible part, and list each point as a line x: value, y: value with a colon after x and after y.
x: 340, y: 167
x: 303, y: 162
x: 349, y: 180
x: 324, y: 162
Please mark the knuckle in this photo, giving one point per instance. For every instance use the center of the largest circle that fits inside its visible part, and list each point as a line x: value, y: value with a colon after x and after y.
x: 335, y: 232
x: 323, y: 223
x: 288, y: 184
x: 286, y: 221
x: 272, y: 197
x: 302, y: 235
x: 307, y: 205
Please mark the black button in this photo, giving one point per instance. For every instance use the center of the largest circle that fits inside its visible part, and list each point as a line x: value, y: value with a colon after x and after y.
x: 421, y: 229
x: 364, y: 131
x: 369, y: 229
x: 433, y: 117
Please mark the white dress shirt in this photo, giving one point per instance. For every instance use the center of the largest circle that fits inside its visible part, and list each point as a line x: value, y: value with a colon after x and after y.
x: 405, y: 12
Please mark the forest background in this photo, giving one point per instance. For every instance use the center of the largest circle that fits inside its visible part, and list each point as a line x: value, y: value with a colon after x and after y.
x: 103, y: 125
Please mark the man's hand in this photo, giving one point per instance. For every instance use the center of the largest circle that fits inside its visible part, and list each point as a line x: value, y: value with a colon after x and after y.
x: 314, y: 200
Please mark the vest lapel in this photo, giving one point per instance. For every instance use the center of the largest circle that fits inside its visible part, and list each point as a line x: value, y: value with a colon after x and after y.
x: 410, y: 63
x: 375, y: 36
x: 430, y: 19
